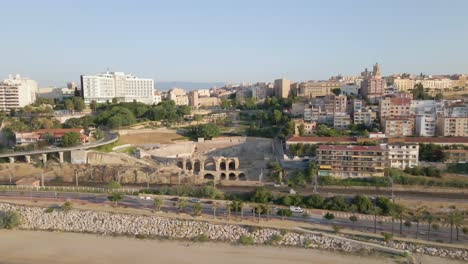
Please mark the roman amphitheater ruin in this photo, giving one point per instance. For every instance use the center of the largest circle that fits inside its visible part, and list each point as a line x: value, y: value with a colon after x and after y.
x: 227, y: 160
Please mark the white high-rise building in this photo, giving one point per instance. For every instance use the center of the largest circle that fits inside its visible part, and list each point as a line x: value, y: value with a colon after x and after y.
x: 17, y: 91
x: 125, y: 87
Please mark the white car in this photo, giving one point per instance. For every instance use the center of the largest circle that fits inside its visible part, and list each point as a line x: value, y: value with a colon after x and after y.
x: 296, y: 209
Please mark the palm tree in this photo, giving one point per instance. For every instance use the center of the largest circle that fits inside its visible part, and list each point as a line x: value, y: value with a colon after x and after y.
x: 214, y: 206
x: 454, y: 218
x: 399, y: 212
x: 375, y: 211
x: 417, y: 216
x: 259, y: 209
x: 241, y: 208
x: 429, y: 218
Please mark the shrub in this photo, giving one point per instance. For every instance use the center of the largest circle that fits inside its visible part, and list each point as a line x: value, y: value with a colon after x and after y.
x: 387, y: 236
x: 329, y: 216
x: 9, y: 220
x: 336, y: 229
x: 201, y: 238
x: 67, y: 206
x: 49, y: 210
x: 307, y: 242
x: 275, y: 239
x: 246, y: 240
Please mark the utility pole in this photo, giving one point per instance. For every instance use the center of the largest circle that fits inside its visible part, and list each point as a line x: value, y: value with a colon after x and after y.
x: 315, y: 182
x: 147, y: 181
x: 76, y: 178
x: 42, y: 178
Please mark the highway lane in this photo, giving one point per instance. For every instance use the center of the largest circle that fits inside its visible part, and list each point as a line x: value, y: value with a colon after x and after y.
x: 168, y: 205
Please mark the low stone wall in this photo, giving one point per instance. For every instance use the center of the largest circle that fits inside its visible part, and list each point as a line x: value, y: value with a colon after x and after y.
x: 36, y: 218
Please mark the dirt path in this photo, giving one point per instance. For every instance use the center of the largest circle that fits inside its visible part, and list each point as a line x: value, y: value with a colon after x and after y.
x: 17, y: 247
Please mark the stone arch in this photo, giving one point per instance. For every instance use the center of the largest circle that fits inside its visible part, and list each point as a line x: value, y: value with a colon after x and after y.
x: 242, y: 176
x: 222, y: 176
x: 232, y: 176
x: 197, y: 166
x: 209, y: 176
x: 210, y: 165
x: 223, y: 165
x: 188, y: 165
x: 232, y: 164
x: 180, y: 164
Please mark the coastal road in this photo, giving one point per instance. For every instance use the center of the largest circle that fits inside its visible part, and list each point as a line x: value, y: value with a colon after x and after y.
x: 366, y: 225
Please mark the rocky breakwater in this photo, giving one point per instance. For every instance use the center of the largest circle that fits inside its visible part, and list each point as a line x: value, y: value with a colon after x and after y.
x: 36, y: 218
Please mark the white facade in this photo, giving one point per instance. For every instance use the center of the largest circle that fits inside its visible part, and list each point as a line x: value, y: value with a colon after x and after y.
x: 157, y: 99
x: 17, y: 91
x: 402, y: 156
x: 126, y: 88
x: 348, y: 89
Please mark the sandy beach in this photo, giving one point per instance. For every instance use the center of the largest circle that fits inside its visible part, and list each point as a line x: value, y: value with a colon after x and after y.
x: 18, y: 247
x: 40, y: 247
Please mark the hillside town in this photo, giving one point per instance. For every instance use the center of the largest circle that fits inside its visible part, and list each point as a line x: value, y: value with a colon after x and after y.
x: 283, y: 149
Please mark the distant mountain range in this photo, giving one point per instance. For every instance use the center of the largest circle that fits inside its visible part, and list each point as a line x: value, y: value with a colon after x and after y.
x: 164, y: 86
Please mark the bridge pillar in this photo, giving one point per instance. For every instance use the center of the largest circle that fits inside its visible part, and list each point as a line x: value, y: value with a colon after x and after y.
x: 61, y: 156
x: 44, y: 158
x: 11, y: 159
x: 28, y: 158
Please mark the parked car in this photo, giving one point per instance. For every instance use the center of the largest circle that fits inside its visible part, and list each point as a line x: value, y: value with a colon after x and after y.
x: 296, y: 209
x: 194, y: 200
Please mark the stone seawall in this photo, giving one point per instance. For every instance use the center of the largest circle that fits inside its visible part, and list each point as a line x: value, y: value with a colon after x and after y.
x: 37, y: 218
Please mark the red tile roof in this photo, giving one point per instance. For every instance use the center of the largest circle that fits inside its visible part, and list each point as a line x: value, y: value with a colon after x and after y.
x: 452, y: 140
x: 350, y: 148
x: 321, y: 139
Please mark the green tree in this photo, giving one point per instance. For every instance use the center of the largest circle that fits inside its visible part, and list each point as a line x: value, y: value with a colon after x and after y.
x: 314, y: 201
x: 301, y: 130
x: 261, y: 195
x: 214, y: 207
x: 439, y: 96
x: 69, y: 105
x: 284, y: 213
x: 115, y: 100
x: 115, y: 197
x: 206, y: 131
x: 454, y: 218
x: 113, y: 185
x: 93, y: 105
x: 70, y: 139
x: 336, y: 91
x: 181, y: 204
x: 277, y: 115
x: 363, y: 203
x: 353, y: 219
x: 197, y: 209
x: 158, y: 202
x: 329, y: 216
x: 78, y: 104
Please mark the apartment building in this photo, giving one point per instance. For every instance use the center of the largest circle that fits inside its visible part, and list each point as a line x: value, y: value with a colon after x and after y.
x: 309, y: 127
x: 454, y: 121
x: 350, y: 161
x: 402, y: 155
x: 282, y: 88
x: 341, y: 121
x: 335, y: 104
x: 312, y: 89
x: 394, y: 107
x: 452, y: 126
x: 125, y: 87
x: 366, y: 117
x: 456, y: 155
x: 16, y: 92
x: 399, y: 126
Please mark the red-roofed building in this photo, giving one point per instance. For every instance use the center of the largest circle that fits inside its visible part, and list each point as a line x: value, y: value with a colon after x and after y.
x: 42, y: 134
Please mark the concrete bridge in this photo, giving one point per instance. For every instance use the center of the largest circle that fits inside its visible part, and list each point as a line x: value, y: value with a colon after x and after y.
x: 109, y: 137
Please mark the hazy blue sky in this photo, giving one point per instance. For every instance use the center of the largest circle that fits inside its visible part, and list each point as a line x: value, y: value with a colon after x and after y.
x: 230, y: 41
